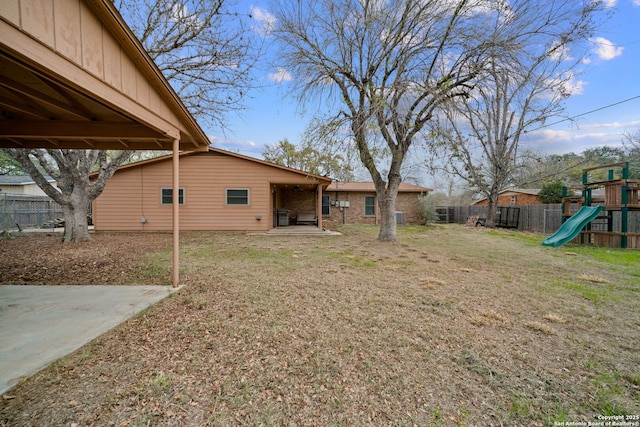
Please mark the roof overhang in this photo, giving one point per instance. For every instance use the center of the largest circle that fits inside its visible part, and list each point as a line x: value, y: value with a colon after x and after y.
x: 53, y: 96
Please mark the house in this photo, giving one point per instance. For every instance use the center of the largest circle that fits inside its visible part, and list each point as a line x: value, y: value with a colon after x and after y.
x: 514, y: 196
x: 22, y: 184
x: 219, y: 190
x: 356, y: 203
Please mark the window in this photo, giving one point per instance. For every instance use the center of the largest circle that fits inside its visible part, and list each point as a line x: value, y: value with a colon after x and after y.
x: 369, y: 205
x: 513, y: 200
x: 237, y: 196
x: 166, y: 196
x: 326, y: 202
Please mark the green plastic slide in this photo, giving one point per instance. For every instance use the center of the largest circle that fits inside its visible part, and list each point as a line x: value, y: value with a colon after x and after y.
x: 570, y: 229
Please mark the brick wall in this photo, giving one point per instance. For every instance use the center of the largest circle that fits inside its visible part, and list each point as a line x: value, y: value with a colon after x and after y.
x: 354, y: 214
x: 521, y: 199
x: 298, y: 201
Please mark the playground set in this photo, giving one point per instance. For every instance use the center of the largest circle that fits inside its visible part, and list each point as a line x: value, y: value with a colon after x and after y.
x: 611, y: 221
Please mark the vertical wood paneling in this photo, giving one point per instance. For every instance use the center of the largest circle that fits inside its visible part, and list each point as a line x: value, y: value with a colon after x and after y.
x: 91, y: 37
x: 155, y: 102
x: 142, y: 90
x: 129, y: 79
x: 113, y: 63
x: 37, y: 19
x: 67, y: 29
x: 10, y: 10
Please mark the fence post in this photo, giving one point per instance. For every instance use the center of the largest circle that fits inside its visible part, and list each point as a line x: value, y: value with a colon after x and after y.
x: 4, y: 212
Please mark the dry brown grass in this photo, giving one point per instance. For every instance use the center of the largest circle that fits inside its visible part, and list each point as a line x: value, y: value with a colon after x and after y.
x: 593, y: 279
x: 541, y: 327
x: 438, y: 329
x: 551, y: 317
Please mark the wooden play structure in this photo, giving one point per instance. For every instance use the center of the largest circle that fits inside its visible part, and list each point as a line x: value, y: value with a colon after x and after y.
x: 619, y: 224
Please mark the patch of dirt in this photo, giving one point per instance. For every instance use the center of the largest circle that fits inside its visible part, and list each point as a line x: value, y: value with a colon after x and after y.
x: 110, y: 258
x: 448, y: 326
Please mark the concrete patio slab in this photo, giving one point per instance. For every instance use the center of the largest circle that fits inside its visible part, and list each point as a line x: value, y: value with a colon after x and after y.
x: 39, y: 324
x: 301, y: 230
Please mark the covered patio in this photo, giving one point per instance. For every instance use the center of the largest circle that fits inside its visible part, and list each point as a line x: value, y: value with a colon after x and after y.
x: 298, y: 204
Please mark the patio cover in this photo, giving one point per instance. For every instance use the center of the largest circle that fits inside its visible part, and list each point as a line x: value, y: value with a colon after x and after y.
x: 73, y: 76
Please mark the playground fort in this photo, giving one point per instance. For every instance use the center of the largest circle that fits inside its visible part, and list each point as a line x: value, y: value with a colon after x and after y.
x: 607, y: 213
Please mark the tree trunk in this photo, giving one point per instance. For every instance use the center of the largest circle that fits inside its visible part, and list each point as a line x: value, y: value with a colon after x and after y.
x: 387, y: 205
x: 76, y: 226
x: 491, y: 210
x: 387, y: 194
x: 71, y: 169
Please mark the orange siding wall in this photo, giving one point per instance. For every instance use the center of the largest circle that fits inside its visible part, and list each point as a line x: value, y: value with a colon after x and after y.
x: 135, y: 192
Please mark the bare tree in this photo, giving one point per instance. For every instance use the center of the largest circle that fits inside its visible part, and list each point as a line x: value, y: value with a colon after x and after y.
x: 75, y: 190
x: 631, y: 143
x: 203, y: 47
x: 384, y: 68
x: 478, y: 137
x: 306, y: 157
x: 204, y: 51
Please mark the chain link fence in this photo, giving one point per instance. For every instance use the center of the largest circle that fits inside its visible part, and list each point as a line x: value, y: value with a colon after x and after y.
x: 19, y: 212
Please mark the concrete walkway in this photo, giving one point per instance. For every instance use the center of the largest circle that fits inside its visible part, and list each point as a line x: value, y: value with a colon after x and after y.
x: 39, y: 324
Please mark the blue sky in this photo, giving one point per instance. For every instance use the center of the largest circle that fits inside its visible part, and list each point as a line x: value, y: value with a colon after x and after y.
x: 611, y: 75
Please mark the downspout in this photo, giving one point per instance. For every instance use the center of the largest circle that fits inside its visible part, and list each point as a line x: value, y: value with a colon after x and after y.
x: 176, y: 213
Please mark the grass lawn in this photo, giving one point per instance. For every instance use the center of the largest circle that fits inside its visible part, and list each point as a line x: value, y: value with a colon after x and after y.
x: 449, y: 326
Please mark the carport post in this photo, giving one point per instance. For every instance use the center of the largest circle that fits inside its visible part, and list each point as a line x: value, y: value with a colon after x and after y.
x: 319, y: 205
x: 176, y: 213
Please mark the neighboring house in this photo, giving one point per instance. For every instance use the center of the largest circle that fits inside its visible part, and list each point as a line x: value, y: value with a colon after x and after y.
x: 219, y: 190
x: 514, y: 196
x: 22, y: 184
x: 357, y: 203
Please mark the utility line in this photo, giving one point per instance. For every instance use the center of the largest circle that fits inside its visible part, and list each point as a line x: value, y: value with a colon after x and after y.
x: 584, y: 114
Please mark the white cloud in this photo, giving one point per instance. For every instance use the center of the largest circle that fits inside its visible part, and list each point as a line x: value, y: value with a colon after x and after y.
x: 181, y: 13
x: 623, y: 126
x: 636, y: 2
x: 567, y: 83
x: 575, y: 86
x: 281, y: 75
x: 605, y: 49
x: 610, y: 3
x: 560, y: 53
x: 265, y: 21
x: 578, y: 137
x: 241, y: 146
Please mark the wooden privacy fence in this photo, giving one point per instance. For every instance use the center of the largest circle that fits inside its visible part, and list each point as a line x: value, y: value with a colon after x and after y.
x: 538, y: 218
x: 19, y: 211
